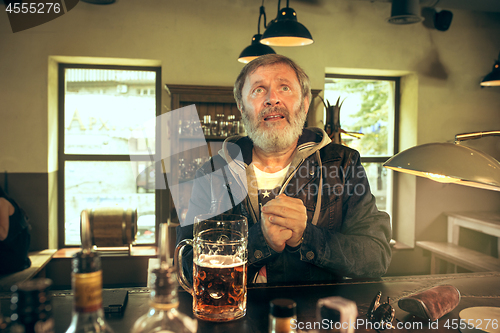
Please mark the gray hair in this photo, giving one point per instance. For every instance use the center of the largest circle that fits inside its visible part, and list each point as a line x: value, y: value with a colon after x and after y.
x: 267, y: 60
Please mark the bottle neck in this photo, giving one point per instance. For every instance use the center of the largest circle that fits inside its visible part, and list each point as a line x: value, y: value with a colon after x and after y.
x: 88, y: 321
x: 164, y: 294
x: 163, y: 306
x: 89, y: 316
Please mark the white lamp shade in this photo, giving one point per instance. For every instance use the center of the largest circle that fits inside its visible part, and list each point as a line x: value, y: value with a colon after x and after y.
x: 449, y: 163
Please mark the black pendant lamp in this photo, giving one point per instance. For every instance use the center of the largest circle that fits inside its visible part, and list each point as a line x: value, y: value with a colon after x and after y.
x: 405, y: 12
x: 493, y: 78
x: 285, y: 30
x: 256, y: 49
x: 99, y: 2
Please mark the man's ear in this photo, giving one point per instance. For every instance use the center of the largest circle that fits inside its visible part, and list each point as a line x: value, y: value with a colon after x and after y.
x: 306, y: 104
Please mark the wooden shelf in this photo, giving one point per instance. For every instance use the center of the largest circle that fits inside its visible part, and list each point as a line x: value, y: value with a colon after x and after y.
x: 460, y: 256
x: 137, y: 251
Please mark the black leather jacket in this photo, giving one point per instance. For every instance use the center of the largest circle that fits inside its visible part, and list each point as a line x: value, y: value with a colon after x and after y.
x: 347, y: 237
x: 14, y: 249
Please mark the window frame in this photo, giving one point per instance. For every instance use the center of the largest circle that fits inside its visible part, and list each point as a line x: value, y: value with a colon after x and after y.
x: 397, y: 107
x: 63, y: 157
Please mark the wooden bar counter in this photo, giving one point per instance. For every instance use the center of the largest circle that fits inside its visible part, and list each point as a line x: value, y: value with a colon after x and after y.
x: 477, y: 289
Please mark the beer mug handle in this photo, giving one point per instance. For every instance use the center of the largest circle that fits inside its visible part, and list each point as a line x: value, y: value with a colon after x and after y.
x: 178, y: 265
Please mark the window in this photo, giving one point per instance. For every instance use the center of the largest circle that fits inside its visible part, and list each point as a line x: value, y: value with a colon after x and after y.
x: 369, y: 115
x: 101, y: 111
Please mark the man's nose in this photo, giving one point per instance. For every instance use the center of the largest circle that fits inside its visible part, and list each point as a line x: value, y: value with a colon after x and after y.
x: 272, y: 98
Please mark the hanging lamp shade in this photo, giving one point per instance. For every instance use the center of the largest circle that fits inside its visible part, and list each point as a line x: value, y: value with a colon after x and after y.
x: 493, y: 78
x: 285, y: 30
x: 100, y: 2
x: 254, y: 50
x: 405, y: 12
x: 449, y: 163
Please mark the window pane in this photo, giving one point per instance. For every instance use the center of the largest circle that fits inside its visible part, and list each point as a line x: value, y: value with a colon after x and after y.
x: 109, y: 184
x: 104, y: 107
x: 368, y: 108
x: 380, y: 184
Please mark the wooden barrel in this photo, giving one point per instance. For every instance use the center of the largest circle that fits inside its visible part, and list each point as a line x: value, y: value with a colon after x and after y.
x: 112, y: 226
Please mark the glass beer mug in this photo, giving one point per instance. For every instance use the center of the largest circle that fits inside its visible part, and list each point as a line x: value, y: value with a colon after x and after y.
x: 219, y: 287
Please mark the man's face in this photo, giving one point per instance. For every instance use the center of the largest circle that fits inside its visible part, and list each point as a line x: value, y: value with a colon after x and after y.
x: 273, y: 110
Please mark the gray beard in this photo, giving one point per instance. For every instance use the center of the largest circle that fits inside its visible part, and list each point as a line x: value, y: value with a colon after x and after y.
x: 270, y: 140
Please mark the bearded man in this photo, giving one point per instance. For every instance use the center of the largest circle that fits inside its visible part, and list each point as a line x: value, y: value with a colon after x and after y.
x: 311, y: 215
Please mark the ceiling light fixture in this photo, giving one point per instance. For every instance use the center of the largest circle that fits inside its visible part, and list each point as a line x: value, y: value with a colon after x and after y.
x: 493, y: 78
x: 451, y: 163
x: 285, y: 30
x: 405, y: 12
x: 256, y: 49
x: 100, y: 2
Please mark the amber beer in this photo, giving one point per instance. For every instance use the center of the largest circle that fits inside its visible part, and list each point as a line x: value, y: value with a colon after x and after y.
x: 219, y: 283
x: 219, y: 287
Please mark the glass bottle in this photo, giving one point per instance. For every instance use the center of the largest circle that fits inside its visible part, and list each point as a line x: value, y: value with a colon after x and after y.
x: 86, y: 281
x: 336, y: 314
x: 31, y: 306
x: 163, y: 315
x: 4, y: 321
x: 282, y: 316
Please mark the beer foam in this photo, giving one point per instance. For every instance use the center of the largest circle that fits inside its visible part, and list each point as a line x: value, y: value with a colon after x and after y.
x: 218, y: 261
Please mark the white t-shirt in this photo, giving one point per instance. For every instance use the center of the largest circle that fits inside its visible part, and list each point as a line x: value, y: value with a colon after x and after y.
x: 269, y: 186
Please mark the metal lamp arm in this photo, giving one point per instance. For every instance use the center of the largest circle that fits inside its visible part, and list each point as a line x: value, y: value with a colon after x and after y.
x: 279, y: 6
x: 474, y: 135
x: 262, y: 12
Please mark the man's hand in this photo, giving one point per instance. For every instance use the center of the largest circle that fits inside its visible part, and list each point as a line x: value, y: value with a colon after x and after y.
x: 275, y: 235
x: 284, y: 214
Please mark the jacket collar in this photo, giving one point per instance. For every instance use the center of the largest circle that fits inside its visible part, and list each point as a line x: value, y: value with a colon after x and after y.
x: 238, y: 149
x: 237, y: 152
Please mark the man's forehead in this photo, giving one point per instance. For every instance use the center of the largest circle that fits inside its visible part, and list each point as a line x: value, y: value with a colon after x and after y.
x: 286, y: 73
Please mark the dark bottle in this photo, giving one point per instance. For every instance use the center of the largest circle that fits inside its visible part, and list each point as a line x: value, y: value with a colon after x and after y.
x: 336, y: 314
x: 86, y: 281
x: 282, y: 316
x: 31, y: 307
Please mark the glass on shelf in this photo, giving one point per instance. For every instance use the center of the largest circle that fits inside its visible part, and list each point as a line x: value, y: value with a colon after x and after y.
x: 196, y: 128
x: 207, y: 124
x: 220, y: 121
x: 187, y: 170
x: 187, y: 127
x: 223, y: 128
x: 230, y: 124
x: 182, y: 168
x: 229, y: 128
x: 213, y: 127
x: 180, y: 127
x: 190, y: 127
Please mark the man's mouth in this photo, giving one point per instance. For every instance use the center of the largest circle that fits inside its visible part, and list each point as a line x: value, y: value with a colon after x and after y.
x: 274, y: 117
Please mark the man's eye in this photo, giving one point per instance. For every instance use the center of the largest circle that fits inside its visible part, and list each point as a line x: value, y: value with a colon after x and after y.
x: 285, y: 88
x: 258, y: 90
